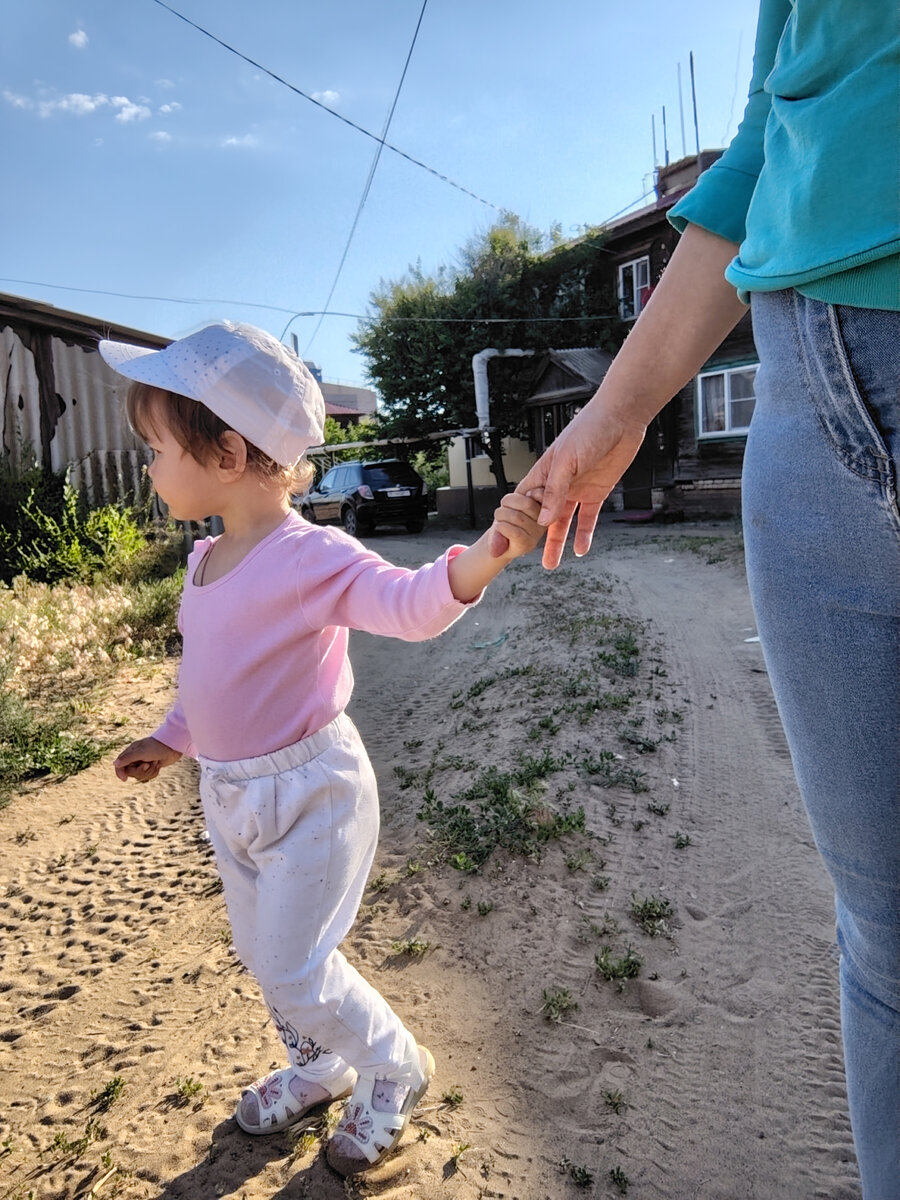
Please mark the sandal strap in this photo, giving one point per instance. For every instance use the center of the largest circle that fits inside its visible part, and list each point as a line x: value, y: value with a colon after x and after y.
x: 370, y: 1130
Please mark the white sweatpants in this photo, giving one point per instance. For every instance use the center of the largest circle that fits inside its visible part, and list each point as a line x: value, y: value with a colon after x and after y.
x: 294, y: 835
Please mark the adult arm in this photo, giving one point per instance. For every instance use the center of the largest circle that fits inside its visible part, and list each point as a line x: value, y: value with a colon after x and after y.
x: 689, y: 314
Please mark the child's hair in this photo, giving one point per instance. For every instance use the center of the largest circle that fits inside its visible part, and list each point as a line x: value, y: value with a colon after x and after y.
x: 199, y: 431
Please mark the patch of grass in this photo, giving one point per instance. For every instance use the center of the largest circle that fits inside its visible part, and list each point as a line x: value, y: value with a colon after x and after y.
x: 107, y: 1096
x: 580, y: 1176
x: 643, y: 745
x: 607, y: 770
x: 624, y: 657
x: 499, y: 809
x: 614, y: 1101
x: 452, y: 1098
x: 556, y: 1002
x: 659, y: 810
x: 187, y: 1090
x: 411, y: 947
x: 579, y: 860
x: 619, y: 1180
x: 33, y: 746
x: 485, y: 907
x: 682, y: 840
x: 617, y: 970
x: 652, y: 914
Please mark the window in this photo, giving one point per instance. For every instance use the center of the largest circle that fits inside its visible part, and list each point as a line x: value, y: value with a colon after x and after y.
x: 634, y: 287
x: 725, y: 400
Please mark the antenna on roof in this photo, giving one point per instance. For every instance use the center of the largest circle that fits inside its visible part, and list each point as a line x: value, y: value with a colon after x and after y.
x: 694, y: 99
x: 665, y: 140
x: 681, y: 112
x: 653, y: 131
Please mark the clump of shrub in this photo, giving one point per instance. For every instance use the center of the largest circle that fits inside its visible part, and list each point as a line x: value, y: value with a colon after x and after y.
x: 499, y: 809
x: 81, y: 589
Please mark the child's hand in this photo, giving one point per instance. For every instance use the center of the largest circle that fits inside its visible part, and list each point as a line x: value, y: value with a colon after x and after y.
x: 144, y: 759
x: 515, y: 521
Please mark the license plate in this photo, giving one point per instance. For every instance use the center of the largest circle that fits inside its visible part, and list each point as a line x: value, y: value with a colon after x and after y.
x: 394, y: 493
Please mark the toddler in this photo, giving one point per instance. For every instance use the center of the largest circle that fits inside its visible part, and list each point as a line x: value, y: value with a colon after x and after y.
x: 288, y: 792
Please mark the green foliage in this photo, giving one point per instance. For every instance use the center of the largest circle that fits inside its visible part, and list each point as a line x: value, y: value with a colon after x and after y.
x: 152, y: 614
x: 31, y: 746
x: 48, y: 533
x: 507, y: 812
x: 424, y: 329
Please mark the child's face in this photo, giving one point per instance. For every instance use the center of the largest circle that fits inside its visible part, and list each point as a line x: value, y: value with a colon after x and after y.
x: 187, y: 486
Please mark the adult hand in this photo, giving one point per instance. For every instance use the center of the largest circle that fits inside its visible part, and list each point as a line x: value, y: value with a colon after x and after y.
x: 578, y: 471
x: 691, y: 310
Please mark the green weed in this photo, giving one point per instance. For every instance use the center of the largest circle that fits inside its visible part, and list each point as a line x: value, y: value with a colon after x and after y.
x: 619, y: 1180
x: 617, y: 970
x: 556, y: 1003
x: 607, y: 770
x: 107, y: 1096
x: 651, y: 913
x: 411, y: 947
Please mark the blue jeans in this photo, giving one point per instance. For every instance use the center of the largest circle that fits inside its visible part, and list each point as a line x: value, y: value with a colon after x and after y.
x: 822, y: 534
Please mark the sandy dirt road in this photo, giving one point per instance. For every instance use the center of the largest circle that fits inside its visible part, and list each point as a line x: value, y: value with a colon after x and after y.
x: 623, y: 687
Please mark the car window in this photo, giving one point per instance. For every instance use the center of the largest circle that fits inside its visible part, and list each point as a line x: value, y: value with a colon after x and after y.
x: 391, y: 474
x: 328, y: 481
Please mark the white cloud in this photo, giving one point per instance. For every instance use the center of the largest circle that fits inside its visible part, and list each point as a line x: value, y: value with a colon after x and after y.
x: 77, y: 103
x: 128, y: 110
x: 160, y: 136
x: 80, y: 104
x: 17, y: 101
x: 246, y: 141
x: 78, y: 39
x: 172, y: 106
x: 329, y: 98
x: 164, y: 83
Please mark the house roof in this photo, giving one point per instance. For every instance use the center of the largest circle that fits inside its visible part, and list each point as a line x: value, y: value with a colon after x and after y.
x: 568, y: 375
x: 591, y: 364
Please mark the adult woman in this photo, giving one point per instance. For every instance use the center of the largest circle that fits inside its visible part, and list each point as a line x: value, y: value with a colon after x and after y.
x: 802, y: 214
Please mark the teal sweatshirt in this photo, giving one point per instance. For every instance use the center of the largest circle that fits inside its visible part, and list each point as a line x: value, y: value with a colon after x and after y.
x: 810, y: 185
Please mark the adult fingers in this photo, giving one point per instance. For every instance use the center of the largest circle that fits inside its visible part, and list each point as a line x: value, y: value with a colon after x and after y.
x: 556, y: 537
x: 584, y: 528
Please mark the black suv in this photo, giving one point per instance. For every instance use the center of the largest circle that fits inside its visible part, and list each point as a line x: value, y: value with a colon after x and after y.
x: 362, y: 495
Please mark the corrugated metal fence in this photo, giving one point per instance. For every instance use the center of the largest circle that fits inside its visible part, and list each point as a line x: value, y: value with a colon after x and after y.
x: 60, y: 404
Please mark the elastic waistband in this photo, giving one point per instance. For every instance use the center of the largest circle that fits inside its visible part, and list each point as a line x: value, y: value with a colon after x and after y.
x: 286, y: 759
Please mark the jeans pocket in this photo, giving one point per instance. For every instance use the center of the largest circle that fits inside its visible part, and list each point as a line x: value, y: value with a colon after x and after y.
x: 851, y: 358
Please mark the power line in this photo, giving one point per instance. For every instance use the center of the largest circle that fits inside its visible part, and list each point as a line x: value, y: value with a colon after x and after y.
x: 319, y: 312
x: 298, y: 91
x: 367, y: 186
x: 61, y: 287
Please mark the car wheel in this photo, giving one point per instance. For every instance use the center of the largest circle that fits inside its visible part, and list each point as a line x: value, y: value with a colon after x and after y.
x: 415, y: 526
x: 350, y: 522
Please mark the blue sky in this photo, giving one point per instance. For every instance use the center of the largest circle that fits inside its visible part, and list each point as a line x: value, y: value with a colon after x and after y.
x: 143, y: 158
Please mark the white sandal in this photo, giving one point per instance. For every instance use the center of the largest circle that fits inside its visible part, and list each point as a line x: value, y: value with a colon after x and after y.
x: 372, y: 1132
x: 282, y: 1099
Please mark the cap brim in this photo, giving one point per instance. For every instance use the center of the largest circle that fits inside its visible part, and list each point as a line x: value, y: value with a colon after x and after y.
x: 142, y: 364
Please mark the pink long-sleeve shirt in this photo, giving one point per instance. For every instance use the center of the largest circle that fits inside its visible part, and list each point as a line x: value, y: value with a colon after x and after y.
x: 265, y: 660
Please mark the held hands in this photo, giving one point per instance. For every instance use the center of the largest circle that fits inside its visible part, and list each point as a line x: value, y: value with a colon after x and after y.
x: 516, y: 522
x: 144, y: 759
x: 578, y: 472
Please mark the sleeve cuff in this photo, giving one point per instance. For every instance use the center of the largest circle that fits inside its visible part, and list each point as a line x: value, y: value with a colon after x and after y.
x: 718, y: 203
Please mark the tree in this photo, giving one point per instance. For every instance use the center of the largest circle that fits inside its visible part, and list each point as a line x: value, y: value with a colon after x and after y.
x: 513, y: 287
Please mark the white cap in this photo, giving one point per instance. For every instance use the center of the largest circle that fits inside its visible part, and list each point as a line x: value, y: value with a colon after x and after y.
x: 244, y: 375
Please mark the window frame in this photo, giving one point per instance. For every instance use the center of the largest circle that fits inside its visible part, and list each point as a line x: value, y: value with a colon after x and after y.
x: 730, y: 431
x: 638, y: 304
